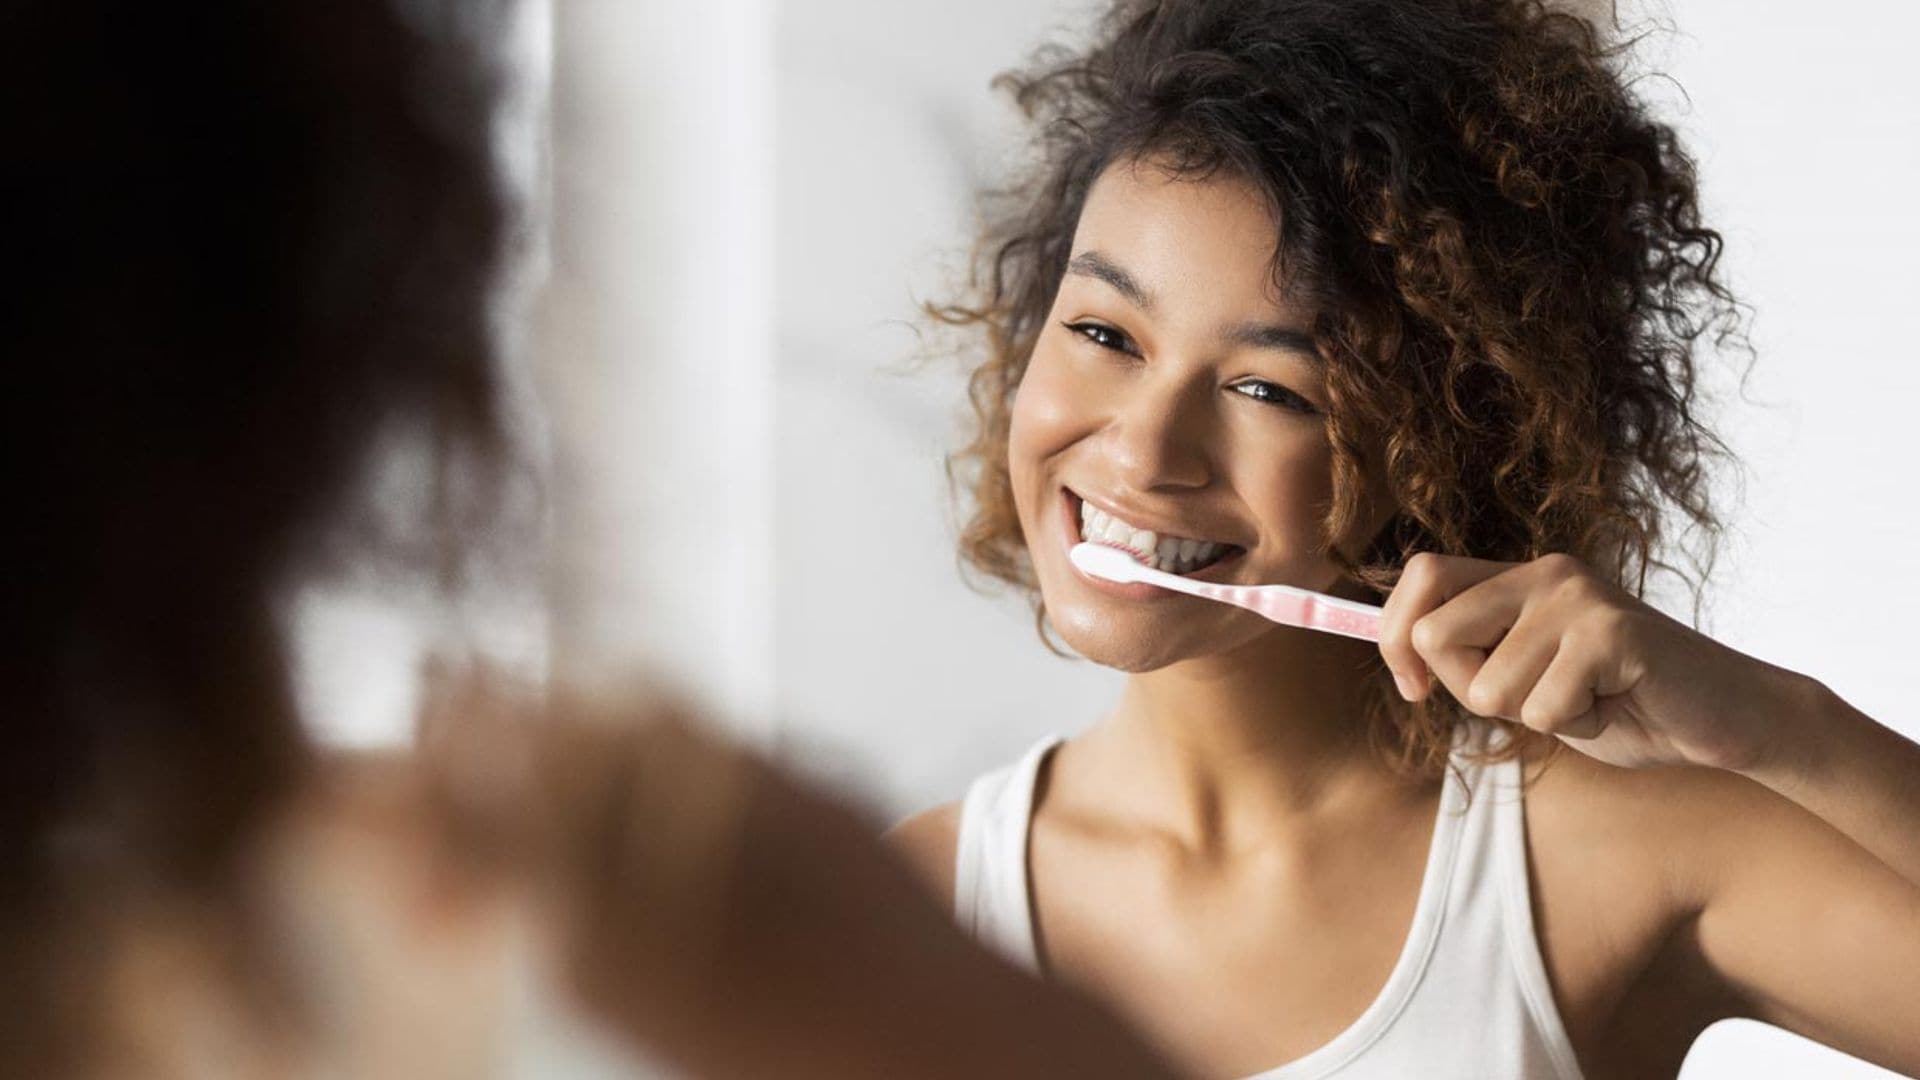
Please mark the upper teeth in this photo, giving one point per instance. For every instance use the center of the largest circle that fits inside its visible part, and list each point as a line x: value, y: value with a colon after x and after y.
x: 1174, y: 554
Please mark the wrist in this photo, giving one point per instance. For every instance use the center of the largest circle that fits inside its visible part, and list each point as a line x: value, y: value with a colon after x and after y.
x: 1808, y: 721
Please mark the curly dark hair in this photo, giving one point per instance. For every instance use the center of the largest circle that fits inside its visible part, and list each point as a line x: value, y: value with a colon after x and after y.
x: 1504, y: 244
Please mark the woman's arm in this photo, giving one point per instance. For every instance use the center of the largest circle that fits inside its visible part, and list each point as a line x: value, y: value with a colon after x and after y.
x: 1850, y: 771
x: 1802, y: 926
x: 1808, y: 914
x: 1666, y: 899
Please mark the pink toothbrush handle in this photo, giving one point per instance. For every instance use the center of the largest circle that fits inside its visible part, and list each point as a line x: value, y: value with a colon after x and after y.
x: 1298, y: 607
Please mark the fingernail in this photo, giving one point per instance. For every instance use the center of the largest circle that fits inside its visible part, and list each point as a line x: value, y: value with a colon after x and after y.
x: 1400, y: 682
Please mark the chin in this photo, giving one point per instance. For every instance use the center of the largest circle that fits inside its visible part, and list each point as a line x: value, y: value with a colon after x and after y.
x: 1110, y: 651
x: 1134, y: 646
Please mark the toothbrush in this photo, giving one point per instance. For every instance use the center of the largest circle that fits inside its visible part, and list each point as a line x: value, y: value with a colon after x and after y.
x: 1283, y: 604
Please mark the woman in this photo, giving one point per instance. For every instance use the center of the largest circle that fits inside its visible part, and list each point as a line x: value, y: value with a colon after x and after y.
x: 248, y: 245
x: 1396, y: 299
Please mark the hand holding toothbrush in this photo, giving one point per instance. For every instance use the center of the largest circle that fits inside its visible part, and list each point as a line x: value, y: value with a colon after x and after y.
x: 1550, y: 645
x: 1546, y: 644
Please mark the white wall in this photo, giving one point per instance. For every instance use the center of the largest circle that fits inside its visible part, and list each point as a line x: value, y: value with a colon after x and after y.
x: 898, y: 681
x: 660, y: 345
x: 1806, y: 121
x: 891, y: 674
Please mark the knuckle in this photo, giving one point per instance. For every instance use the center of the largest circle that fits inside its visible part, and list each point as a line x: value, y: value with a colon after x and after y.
x: 1426, y: 634
x: 1423, y: 566
x: 1561, y: 565
x: 1539, y: 716
x: 1399, y: 654
x: 1488, y: 699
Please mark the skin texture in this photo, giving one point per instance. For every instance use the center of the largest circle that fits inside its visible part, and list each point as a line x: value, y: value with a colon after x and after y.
x: 1258, y: 833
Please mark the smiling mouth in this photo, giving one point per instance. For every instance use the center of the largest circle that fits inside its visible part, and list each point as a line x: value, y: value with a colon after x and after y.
x: 1162, y: 551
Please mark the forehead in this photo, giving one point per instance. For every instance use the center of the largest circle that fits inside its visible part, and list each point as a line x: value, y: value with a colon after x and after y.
x: 1193, y: 237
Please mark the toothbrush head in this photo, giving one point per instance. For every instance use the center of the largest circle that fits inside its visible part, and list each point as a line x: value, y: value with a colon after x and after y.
x: 1105, y: 561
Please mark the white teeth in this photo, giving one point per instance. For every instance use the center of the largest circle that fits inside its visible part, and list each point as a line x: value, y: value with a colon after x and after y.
x: 1171, y: 553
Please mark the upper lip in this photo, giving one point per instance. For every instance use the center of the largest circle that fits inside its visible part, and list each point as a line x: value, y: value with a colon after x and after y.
x: 1141, y: 519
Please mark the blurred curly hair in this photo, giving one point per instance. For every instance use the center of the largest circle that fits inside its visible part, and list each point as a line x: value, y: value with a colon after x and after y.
x: 1504, y: 246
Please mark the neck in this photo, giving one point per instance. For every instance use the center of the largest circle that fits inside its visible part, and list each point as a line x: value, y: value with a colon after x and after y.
x: 1222, y: 749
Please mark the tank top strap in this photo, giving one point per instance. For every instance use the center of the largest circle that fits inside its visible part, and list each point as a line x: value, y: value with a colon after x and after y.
x: 990, y: 891
x: 1505, y: 788
x: 1489, y: 946
x: 1469, y: 994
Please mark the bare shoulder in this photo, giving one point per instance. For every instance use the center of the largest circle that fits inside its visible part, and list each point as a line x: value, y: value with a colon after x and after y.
x: 928, y: 842
x: 1669, y: 898
x: 1675, y: 828
x: 1601, y: 846
x: 1623, y: 863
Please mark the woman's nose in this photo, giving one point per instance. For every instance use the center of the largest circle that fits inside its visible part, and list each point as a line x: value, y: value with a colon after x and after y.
x: 1158, y: 439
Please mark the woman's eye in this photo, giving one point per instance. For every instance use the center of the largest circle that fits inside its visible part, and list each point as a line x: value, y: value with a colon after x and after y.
x: 1102, y: 335
x: 1273, y: 394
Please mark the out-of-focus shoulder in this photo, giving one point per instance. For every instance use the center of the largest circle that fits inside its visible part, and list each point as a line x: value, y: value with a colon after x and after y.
x: 929, y: 841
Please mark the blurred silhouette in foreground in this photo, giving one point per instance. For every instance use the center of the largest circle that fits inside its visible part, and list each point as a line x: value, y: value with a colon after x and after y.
x: 245, y: 243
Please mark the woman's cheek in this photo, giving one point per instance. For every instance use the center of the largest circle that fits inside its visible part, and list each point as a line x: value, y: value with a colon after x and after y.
x: 1042, y: 415
x: 1299, y: 495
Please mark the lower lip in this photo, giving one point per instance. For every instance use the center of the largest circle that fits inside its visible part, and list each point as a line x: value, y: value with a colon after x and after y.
x: 1134, y: 590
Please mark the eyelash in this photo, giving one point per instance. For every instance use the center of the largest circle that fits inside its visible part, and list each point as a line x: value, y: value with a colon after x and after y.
x: 1093, y: 331
x: 1271, y: 393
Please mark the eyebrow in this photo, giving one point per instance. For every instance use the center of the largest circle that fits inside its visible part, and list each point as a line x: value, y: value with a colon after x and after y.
x: 1277, y: 339
x: 1095, y: 265
x: 1274, y: 338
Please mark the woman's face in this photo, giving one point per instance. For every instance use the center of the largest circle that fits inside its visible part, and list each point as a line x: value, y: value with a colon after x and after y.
x: 1173, y: 405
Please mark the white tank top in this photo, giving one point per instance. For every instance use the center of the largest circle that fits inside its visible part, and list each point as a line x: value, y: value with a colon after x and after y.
x: 1468, y: 997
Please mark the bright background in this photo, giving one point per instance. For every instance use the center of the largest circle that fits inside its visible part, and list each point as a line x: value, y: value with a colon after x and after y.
x: 751, y: 197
